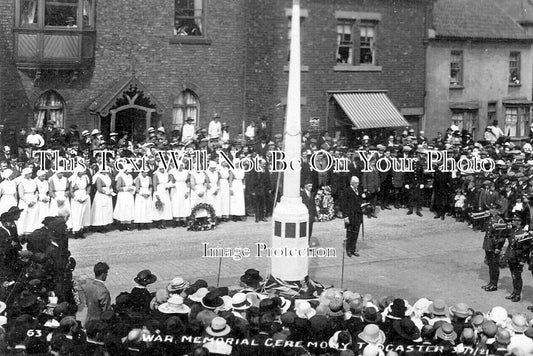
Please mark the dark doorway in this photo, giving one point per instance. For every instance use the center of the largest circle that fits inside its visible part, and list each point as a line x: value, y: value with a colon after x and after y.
x: 132, y: 121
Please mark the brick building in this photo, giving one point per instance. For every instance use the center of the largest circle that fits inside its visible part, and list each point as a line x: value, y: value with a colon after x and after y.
x: 123, y: 65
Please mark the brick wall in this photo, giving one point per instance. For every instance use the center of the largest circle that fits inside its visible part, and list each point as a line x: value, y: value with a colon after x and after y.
x: 400, y: 52
x: 248, y: 40
x: 134, y: 36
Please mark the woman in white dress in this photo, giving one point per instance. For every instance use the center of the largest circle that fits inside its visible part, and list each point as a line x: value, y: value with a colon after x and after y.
x: 43, y: 199
x: 161, y: 197
x: 125, y: 200
x: 198, y: 188
x: 224, y: 193
x: 102, y: 208
x: 29, y: 217
x: 143, y: 209
x: 213, y: 188
x: 237, y: 207
x: 8, y: 191
x: 59, y: 202
x: 80, y: 204
x: 179, y: 194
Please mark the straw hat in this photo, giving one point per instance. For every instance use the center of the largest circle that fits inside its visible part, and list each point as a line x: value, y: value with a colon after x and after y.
x: 218, y: 327
x: 174, y: 306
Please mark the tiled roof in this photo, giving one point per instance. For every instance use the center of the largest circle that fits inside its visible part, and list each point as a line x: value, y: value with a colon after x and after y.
x: 481, y: 19
x: 520, y: 10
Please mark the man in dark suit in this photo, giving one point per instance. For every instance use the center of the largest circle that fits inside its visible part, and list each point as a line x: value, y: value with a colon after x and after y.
x: 308, y: 198
x: 260, y: 190
x: 353, y: 215
x: 97, y: 295
x: 264, y: 129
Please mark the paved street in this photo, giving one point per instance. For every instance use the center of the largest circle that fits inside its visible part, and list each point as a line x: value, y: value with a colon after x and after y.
x: 401, y: 255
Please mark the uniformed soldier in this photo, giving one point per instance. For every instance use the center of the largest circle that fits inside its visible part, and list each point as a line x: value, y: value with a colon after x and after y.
x: 414, y: 183
x: 518, y: 255
x: 492, y: 244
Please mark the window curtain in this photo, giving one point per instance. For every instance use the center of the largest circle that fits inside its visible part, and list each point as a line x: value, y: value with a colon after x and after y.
x: 198, y: 13
x: 511, y: 120
x: 57, y: 117
x: 29, y: 12
x: 39, y: 119
x: 186, y: 105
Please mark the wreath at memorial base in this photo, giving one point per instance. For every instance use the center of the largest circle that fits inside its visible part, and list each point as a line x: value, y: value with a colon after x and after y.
x: 205, y: 222
x: 325, y: 206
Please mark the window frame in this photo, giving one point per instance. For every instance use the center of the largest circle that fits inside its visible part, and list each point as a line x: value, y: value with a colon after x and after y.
x: 492, y: 109
x: 357, y: 20
x: 518, y: 67
x: 192, y: 39
x: 522, y: 111
x: 460, y: 63
x: 41, y: 18
x: 468, y: 118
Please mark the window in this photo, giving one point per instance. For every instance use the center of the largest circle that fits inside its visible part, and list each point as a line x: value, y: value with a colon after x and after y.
x: 492, y: 112
x: 29, y: 12
x: 456, y: 68
x: 465, y: 120
x: 345, y: 42
x: 57, y: 13
x: 516, y: 121
x: 514, y: 68
x: 189, y: 18
x: 366, y: 43
x: 61, y: 13
x: 49, y: 108
x: 186, y: 105
x: 356, y: 50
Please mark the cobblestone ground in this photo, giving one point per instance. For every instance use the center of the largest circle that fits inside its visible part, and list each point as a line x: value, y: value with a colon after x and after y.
x: 401, y: 255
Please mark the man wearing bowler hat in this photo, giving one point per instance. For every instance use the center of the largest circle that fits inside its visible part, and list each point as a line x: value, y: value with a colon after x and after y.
x: 251, y: 279
x: 352, y: 198
x: 308, y: 198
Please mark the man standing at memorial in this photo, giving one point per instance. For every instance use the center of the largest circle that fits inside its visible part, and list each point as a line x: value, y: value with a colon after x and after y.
x: 214, y: 130
x: 97, y: 295
x: 352, y: 198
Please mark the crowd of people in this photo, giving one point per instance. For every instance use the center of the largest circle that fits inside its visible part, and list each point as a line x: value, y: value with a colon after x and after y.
x: 247, y: 319
x: 42, y: 206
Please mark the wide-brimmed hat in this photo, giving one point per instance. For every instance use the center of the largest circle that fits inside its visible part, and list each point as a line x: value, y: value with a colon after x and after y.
x: 372, y: 334
x: 95, y: 132
x: 199, y: 295
x: 2, y: 307
x: 406, y: 328
x: 304, y: 310
x: 177, y: 284
x: 212, y: 301
x: 251, y: 277
x: 498, y: 315
x: 189, y: 119
x: 438, y: 307
x: 461, y: 310
x: 145, y: 277
x: 11, y: 214
x: 218, y: 327
x: 240, y: 302
x: 399, y: 308
x: 446, y: 332
x: 518, y: 323
x: 371, y: 315
x: 174, y: 305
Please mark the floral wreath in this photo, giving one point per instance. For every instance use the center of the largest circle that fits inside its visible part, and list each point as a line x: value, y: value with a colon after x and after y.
x: 203, y: 223
x: 325, y: 206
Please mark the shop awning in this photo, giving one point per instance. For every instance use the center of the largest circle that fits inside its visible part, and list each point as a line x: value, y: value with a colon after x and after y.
x: 368, y: 110
x: 469, y: 105
x: 517, y: 101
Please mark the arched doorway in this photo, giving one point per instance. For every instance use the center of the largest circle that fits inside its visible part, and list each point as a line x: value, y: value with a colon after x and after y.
x: 127, y: 107
x: 131, y: 121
